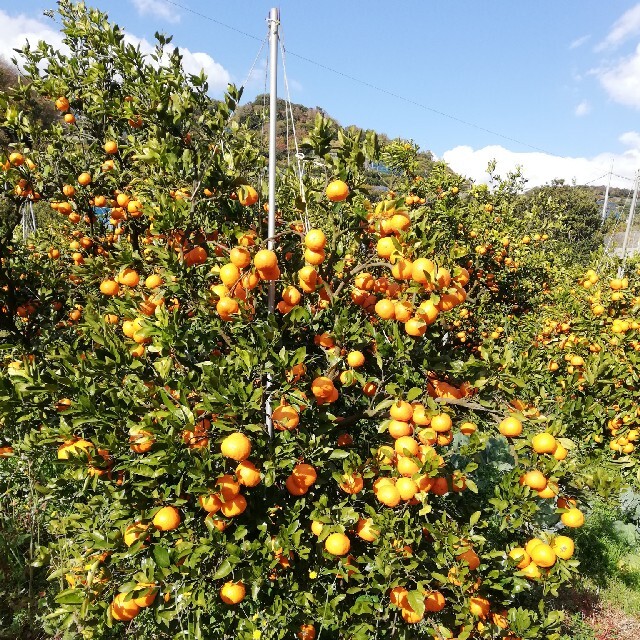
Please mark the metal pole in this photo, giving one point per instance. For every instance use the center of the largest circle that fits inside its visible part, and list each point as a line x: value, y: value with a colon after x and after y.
x: 606, y: 195
x: 274, y: 25
x: 627, y: 232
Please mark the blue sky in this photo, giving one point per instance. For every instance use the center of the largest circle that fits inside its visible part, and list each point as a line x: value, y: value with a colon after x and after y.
x: 563, y: 77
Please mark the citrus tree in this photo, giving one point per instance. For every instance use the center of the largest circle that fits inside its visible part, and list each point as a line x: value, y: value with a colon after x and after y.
x: 344, y: 466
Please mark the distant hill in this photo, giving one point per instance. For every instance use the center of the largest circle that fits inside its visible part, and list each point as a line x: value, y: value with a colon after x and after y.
x: 256, y: 115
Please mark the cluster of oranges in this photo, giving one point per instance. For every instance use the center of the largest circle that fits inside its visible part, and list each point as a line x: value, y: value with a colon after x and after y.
x: 537, y: 554
x: 544, y: 444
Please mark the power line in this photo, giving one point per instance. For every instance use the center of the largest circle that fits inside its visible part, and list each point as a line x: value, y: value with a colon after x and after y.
x: 369, y: 84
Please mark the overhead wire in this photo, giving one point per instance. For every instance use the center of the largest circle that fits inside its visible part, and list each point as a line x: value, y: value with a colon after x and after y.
x: 366, y: 83
x: 298, y: 155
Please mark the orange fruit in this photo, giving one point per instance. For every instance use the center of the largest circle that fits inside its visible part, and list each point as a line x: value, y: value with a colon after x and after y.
x: 129, y: 277
x: 140, y: 441
x: 401, y: 410
x: 232, y: 592
x: 265, y: 259
x: 109, y: 288
x: 291, y: 296
x: 402, y: 269
x: 197, y: 255
x: 62, y: 103
x: 248, y: 196
x: 234, y: 507
x: 549, y: 492
x: 315, y: 240
x: 423, y: 270
x: 406, y: 445
x: 386, y: 309
x: 385, y: 456
x: 84, y: 179
x: 389, y: 495
x: 471, y: 558
x: 563, y: 547
x: 227, y: 487
x: 167, y: 519
x: 543, y: 555
x: 352, y: 483
x: 337, y: 544
x: 544, y: 443
x: 314, y: 257
x: 510, y: 427
x: 520, y: 556
x: 531, y: 571
x: 304, y: 475
x: 111, y: 147
x: 560, y: 453
x: 410, y: 616
x: 134, y: 532
x: 415, y: 327
x: 434, y: 602
x: 355, y: 359
x: 248, y: 474
x: 428, y: 312
x: 530, y: 546
x: 399, y: 428
x: 240, y: 257
x: 210, y: 503
x: 294, y: 488
x: 227, y: 307
x: 337, y: 190
x: 153, y: 281
x: 407, y: 488
x: 398, y: 596
x: 322, y: 387
x: 407, y: 466
x: 467, y: 428
x: 316, y: 527
x: 534, y: 479
x: 441, y: 423
x: 285, y: 417
x: 307, y: 632
x: 479, y: 607
x: 420, y: 416
x: 124, y: 610
x: 573, y: 518
x: 229, y: 274
x: 148, y: 594
x: 440, y: 486
x: 386, y: 247
x: 366, y: 530
x: 236, y: 446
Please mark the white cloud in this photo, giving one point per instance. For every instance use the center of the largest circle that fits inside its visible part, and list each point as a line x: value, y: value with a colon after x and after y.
x: 578, y: 42
x: 625, y: 27
x: 583, y: 108
x: 157, y: 8
x: 621, y: 80
x: 15, y: 31
x: 541, y: 168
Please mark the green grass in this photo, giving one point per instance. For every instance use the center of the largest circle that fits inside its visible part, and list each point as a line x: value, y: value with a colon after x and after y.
x: 608, y: 547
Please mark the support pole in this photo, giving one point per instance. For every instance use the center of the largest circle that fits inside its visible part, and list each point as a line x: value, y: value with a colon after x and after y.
x: 606, y: 194
x: 274, y: 25
x: 625, y: 243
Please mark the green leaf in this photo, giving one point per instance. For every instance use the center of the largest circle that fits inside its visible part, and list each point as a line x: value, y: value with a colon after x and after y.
x: 223, y: 570
x: 161, y: 556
